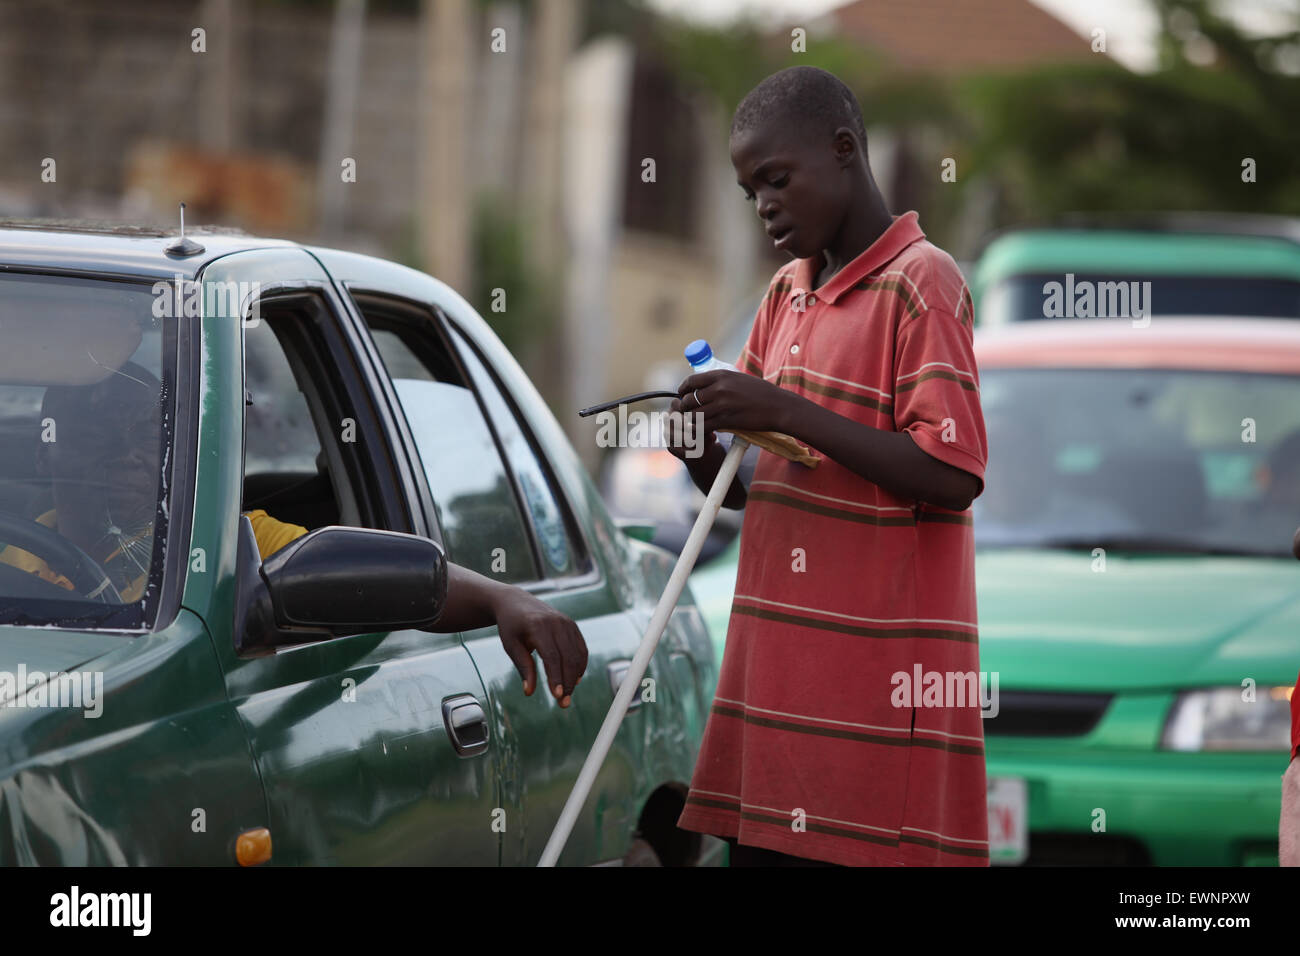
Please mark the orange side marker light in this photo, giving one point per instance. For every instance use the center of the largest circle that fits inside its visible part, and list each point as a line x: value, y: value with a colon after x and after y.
x: 253, y: 847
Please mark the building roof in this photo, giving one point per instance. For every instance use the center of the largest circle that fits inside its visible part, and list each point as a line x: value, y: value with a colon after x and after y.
x: 1228, y: 345
x: 958, y: 36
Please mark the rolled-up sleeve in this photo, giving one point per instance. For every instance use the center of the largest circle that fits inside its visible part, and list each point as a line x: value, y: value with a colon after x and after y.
x: 936, y: 391
x: 272, y: 535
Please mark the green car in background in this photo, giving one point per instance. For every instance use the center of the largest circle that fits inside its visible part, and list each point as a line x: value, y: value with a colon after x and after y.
x: 177, y: 700
x: 1138, y: 604
x: 1196, y: 264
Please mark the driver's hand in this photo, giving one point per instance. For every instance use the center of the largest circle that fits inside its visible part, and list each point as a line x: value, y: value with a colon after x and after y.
x: 526, y: 624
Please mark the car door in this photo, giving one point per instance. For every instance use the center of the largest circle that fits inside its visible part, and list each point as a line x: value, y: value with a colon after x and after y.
x: 375, y: 748
x: 501, y: 515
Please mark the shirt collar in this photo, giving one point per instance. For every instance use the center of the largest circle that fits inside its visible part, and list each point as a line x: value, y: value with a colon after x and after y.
x: 902, y: 232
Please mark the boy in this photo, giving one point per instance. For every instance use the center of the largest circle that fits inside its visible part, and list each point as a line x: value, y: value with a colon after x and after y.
x: 857, y: 577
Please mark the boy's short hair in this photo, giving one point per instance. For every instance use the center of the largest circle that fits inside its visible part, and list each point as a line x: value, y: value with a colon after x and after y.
x: 805, y: 97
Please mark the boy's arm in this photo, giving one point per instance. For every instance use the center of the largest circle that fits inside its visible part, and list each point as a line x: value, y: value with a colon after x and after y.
x: 703, y: 468
x: 886, y: 458
x: 889, y: 459
x: 936, y: 402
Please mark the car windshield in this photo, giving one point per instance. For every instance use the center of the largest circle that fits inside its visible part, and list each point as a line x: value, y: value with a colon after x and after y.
x: 83, y: 423
x: 1022, y: 298
x: 1159, y: 461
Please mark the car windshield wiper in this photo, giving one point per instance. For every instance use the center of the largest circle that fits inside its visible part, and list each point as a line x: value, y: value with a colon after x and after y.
x: 16, y: 615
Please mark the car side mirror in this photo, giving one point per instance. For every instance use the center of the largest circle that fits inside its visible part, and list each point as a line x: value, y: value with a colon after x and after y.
x: 333, y: 582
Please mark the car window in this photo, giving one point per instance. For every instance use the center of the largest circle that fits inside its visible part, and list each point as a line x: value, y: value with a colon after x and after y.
x: 1191, y: 460
x: 553, y: 524
x: 280, y: 436
x: 317, y: 450
x: 283, y: 465
x: 84, y: 435
x: 473, y: 492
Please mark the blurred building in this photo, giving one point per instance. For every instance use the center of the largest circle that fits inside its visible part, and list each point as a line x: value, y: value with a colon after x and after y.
x: 383, y: 126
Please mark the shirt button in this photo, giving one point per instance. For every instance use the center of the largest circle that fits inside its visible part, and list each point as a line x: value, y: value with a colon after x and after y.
x: 812, y: 300
x: 794, y: 349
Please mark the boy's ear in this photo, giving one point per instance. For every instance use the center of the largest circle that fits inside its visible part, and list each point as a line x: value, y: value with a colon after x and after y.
x: 845, y: 145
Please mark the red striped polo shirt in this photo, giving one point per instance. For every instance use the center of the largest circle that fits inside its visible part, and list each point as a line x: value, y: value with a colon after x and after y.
x: 837, y: 731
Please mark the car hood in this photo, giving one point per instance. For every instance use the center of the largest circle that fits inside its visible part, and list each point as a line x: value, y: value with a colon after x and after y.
x: 33, y: 651
x: 1049, y: 621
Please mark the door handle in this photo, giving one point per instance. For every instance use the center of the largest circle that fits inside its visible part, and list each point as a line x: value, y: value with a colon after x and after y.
x: 466, y: 724
x: 618, y: 670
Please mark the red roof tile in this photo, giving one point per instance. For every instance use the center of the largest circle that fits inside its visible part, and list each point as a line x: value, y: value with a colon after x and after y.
x: 955, y: 36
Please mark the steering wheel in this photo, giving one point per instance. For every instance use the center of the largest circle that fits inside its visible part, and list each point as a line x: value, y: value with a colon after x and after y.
x: 85, y: 573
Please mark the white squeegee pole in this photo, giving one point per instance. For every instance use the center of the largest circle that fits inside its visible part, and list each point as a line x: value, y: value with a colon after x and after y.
x: 649, y: 641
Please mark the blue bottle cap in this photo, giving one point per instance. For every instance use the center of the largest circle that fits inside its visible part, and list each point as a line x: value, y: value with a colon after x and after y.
x: 698, y: 352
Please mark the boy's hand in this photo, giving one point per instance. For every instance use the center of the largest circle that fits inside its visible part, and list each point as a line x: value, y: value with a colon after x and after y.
x: 683, y: 436
x: 526, y: 624
x: 735, y: 401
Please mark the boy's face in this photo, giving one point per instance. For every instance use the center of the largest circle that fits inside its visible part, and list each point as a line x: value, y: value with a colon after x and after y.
x: 798, y: 184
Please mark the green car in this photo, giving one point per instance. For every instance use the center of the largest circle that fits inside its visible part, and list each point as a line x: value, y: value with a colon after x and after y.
x: 1139, y: 607
x: 195, y: 693
x: 1171, y: 264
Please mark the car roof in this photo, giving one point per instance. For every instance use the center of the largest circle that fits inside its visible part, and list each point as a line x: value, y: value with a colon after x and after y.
x: 1236, y: 344
x: 114, y: 249
x: 1160, y: 222
x: 1145, y: 254
x: 1146, y: 246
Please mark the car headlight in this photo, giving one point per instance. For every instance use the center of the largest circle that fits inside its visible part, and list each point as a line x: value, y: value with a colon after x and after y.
x: 1219, y: 719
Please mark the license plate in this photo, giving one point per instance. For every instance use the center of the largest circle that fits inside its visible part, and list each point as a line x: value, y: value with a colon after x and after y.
x: 1008, y: 803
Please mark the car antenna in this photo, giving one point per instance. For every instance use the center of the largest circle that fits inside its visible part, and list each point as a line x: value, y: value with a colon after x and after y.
x: 183, y: 248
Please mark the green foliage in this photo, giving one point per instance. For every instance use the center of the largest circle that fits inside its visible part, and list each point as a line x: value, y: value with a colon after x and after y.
x: 1082, y: 136
x: 1101, y: 138
x: 1097, y: 137
x: 728, y: 62
x: 501, y: 261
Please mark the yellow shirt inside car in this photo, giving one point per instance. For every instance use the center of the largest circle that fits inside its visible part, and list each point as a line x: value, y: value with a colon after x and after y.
x: 272, y: 535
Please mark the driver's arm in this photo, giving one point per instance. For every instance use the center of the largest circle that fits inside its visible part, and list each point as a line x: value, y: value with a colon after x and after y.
x: 524, y: 622
x: 272, y: 535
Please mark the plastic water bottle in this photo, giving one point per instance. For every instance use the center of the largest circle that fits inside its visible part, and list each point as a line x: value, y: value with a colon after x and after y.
x: 702, y: 359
